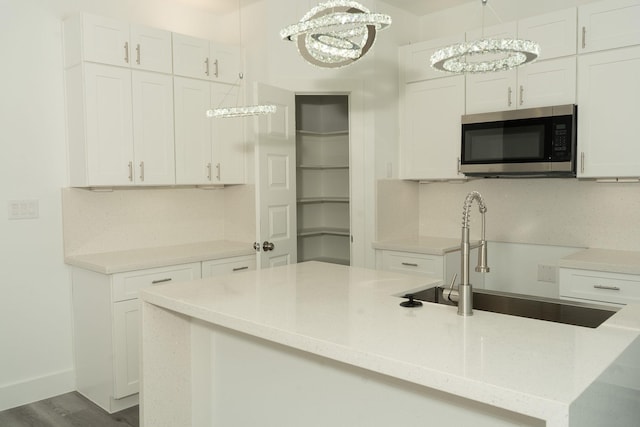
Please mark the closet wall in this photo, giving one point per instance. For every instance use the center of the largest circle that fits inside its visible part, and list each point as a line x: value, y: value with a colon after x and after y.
x: 322, y: 151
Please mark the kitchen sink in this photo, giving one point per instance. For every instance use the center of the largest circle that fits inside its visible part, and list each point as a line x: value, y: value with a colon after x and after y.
x: 553, y: 310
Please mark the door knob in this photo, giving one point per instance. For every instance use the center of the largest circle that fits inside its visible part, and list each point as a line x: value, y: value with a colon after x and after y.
x: 267, y: 246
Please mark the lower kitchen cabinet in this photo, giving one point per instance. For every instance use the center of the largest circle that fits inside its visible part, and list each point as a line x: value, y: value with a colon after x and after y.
x: 107, y: 325
x: 106, y: 330
x: 412, y: 263
x: 599, y: 286
x: 218, y: 267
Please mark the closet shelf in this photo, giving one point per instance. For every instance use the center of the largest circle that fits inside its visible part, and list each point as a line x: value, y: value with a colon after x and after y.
x: 319, y: 231
x: 328, y: 133
x: 326, y: 199
x: 329, y: 259
x: 323, y: 167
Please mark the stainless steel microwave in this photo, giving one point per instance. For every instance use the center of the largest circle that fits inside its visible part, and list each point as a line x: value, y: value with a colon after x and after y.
x: 520, y: 143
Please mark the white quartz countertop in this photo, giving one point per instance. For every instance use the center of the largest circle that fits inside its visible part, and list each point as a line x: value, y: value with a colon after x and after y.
x: 138, y: 259
x: 422, y: 245
x: 352, y: 315
x: 603, y: 260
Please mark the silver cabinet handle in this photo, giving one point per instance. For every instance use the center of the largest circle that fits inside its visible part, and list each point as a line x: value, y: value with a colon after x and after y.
x: 609, y: 288
x: 130, y: 171
x: 217, y: 68
x: 142, y: 171
x: 582, y: 162
x: 584, y: 37
x: 138, y: 54
x: 521, y: 94
x: 409, y: 264
x: 241, y: 268
x: 155, y: 282
x: 509, y: 91
x: 126, y: 52
x: 218, y: 171
x: 459, y: 162
x: 209, y: 171
x: 206, y: 66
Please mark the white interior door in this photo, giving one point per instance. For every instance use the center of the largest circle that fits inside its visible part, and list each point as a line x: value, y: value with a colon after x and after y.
x: 276, y: 178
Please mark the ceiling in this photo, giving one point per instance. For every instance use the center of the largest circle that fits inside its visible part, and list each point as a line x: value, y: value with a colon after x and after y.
x: 417, y: 7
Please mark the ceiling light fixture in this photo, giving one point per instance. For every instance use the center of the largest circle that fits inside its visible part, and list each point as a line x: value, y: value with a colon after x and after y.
x: 512, y: 53
x: 239, y: 111
x: 335, y: 33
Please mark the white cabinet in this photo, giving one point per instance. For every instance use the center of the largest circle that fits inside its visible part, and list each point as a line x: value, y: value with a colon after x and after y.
x: 608, y: 88
x: 412, y: 263
x: 415, y: 59
x: 208, y: 150
x: 599, y: 286
x: 430, y: 135
x: 540, y: 84
x: 551, y: 80
x: 108, y: 41
x: 218, y: 267
x: 106, y: 330
x: 120, y: 126
x: 322, y: 178
x: 608, y: 24
x: 202, y: 59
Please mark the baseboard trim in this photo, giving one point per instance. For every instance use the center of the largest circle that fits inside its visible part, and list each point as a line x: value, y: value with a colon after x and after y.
x: 34, y: 389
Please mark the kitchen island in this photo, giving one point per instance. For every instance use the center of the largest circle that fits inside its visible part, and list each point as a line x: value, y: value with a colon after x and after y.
x: 316, y: 344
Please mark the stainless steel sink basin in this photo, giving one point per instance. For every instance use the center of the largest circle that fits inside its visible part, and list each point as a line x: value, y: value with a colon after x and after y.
x: 553, y: 310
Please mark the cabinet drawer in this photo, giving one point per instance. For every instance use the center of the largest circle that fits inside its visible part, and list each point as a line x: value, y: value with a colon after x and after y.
x: 219, y: 267
x: 406, y: 262
x: 127, y: 285
x: 600, y: 286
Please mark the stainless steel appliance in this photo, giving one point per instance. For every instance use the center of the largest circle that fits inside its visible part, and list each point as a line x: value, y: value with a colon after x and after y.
x: 533, y: 142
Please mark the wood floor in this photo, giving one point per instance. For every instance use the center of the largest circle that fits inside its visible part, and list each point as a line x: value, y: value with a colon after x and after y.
x: 67, y: 410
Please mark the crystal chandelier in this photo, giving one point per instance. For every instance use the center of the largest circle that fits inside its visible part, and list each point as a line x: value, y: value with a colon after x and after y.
x: 458, y: 58
x: 335, y: 33
x: 239, y: 111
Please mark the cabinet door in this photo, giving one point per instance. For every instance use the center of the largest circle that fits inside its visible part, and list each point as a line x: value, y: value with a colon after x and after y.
x: 153, y: 128
x: 228, y: 138
x: 430, y: 137
x: 547, y: 83
x: 105, y: 40
x: 415, y: 59
x: 150, y: 49
x: 488, y: 92
x: 492, y: 91
x: 109, y: 131
x: 192, y: 98
x: 191, y: 57
x: 608, y: 24
x: 225, y: 64
x: 555, y: 32
x: 126, y: 357
x: 219, y: 267
x: 608, y: 88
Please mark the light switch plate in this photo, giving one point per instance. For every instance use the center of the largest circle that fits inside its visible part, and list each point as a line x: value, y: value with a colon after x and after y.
x: 23, y: 209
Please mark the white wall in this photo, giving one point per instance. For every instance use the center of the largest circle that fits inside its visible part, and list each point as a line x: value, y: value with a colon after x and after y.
x: 36, y: 360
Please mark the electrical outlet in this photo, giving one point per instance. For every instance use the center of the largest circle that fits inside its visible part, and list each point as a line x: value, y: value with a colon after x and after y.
x: 547, y: 273
x: 23, y: 209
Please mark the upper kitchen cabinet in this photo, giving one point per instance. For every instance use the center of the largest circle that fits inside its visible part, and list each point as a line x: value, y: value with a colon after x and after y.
x: 608, y: 24
x: 202, y: 59
x: 120, y: 126
x: 415, y: 59
x: 208, y: 150
x: 608, y: 88
x: 548, y: 81
x: 430, y: 135
x: 108, y: 41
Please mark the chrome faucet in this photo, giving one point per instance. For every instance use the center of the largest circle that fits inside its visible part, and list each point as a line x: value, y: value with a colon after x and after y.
x: 464, y: 295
